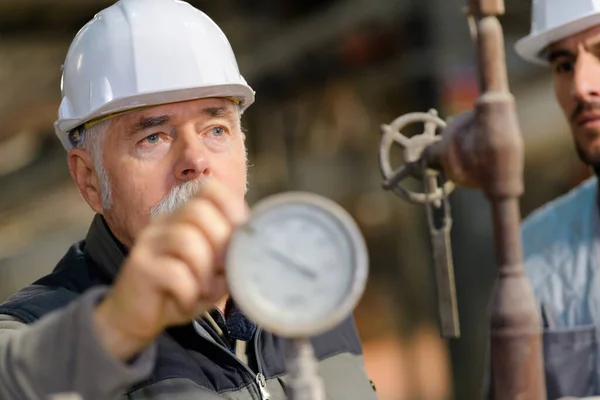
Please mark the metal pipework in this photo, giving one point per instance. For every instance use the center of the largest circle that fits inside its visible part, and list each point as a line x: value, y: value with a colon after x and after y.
x: 496, y: 148
x: 484, y: 149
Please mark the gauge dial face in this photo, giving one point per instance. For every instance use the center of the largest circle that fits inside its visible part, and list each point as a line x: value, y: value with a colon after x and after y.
x: 298, y: 266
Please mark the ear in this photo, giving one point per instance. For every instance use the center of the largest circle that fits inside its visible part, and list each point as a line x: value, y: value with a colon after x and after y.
x: 83, y: 173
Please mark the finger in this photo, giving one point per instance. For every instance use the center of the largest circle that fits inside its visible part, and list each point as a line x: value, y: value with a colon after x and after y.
x: 207, y: 218
x: 235, y: 210
x: 179, y: 284
x: 189, y: 245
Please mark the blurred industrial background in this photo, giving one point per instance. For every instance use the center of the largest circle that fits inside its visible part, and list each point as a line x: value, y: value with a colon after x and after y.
x: 327, y: 73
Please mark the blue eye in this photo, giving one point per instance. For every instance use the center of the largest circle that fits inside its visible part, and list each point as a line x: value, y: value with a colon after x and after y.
x: 152, y: 139
x: 218, y: 131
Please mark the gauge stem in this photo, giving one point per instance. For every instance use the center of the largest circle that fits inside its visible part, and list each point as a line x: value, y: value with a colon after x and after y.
x: 301, y: 363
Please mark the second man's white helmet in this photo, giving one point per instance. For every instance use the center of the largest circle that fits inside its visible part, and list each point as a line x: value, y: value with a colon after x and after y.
x: 554, y: 20
x: 139, y: 53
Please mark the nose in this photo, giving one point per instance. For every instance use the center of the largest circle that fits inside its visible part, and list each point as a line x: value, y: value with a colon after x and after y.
x: 192, y: 161
x: 586, y: 78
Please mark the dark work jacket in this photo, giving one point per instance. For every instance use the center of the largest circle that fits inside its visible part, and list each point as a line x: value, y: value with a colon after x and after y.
x: 193, y: 360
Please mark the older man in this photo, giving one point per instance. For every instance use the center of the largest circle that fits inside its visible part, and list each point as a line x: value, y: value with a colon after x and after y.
x: 150, y: 116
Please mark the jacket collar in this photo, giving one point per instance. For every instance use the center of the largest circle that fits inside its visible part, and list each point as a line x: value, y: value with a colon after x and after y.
x: 103, y: 247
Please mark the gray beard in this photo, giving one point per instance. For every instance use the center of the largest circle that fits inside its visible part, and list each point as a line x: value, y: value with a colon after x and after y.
x: 177, y: 197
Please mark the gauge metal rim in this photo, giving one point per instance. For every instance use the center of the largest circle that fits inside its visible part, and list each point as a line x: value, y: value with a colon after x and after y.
x: 252, y: 307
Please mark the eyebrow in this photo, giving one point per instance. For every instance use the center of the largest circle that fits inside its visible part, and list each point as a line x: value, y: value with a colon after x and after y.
x: 593, y: 42
x: 148, y: 122
x: 554, y: 54
x: 144, y: 123
x: 214, y: 112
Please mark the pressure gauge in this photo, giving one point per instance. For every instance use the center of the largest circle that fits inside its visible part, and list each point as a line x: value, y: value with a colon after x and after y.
x: 298, y: 266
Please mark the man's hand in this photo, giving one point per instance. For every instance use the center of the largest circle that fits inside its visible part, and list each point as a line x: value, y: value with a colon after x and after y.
x: 175, y: 272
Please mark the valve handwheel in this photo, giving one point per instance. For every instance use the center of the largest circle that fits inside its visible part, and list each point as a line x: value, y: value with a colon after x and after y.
x: 412, y: 149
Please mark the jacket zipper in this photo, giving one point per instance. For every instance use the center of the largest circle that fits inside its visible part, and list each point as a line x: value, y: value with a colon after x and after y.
x: 259, y: 378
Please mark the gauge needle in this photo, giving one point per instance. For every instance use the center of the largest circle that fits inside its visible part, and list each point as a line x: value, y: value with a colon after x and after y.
x: 289, y: 261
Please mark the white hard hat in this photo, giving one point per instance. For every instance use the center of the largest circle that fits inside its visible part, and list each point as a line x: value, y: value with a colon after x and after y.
x: 554, y: 20
x: 139, y: 53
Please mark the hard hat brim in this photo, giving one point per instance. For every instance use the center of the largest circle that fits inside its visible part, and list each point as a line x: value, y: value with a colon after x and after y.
x: 238, y: 91
x: 531, y: 47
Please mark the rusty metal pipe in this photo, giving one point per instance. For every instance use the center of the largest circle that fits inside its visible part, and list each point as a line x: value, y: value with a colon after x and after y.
x: 483, y: 149
x: 508, y: 245
x: 516, y: 341
x: 516, y: 346
x: 489, y: 154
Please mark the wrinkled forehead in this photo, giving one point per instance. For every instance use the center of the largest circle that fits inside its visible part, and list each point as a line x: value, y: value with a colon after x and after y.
x: 178, y: 113
x: 589, y: 39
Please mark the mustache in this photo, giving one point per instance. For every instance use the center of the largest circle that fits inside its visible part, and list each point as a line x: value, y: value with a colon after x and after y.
x: 584, y: 106
x: 177, y: 197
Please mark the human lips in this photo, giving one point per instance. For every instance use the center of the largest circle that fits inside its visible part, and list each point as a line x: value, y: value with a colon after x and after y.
x: 588, y: 119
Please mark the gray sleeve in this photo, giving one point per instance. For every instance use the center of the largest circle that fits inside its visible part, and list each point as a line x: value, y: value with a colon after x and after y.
x: 9, y: 324
x: 62, y: 353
